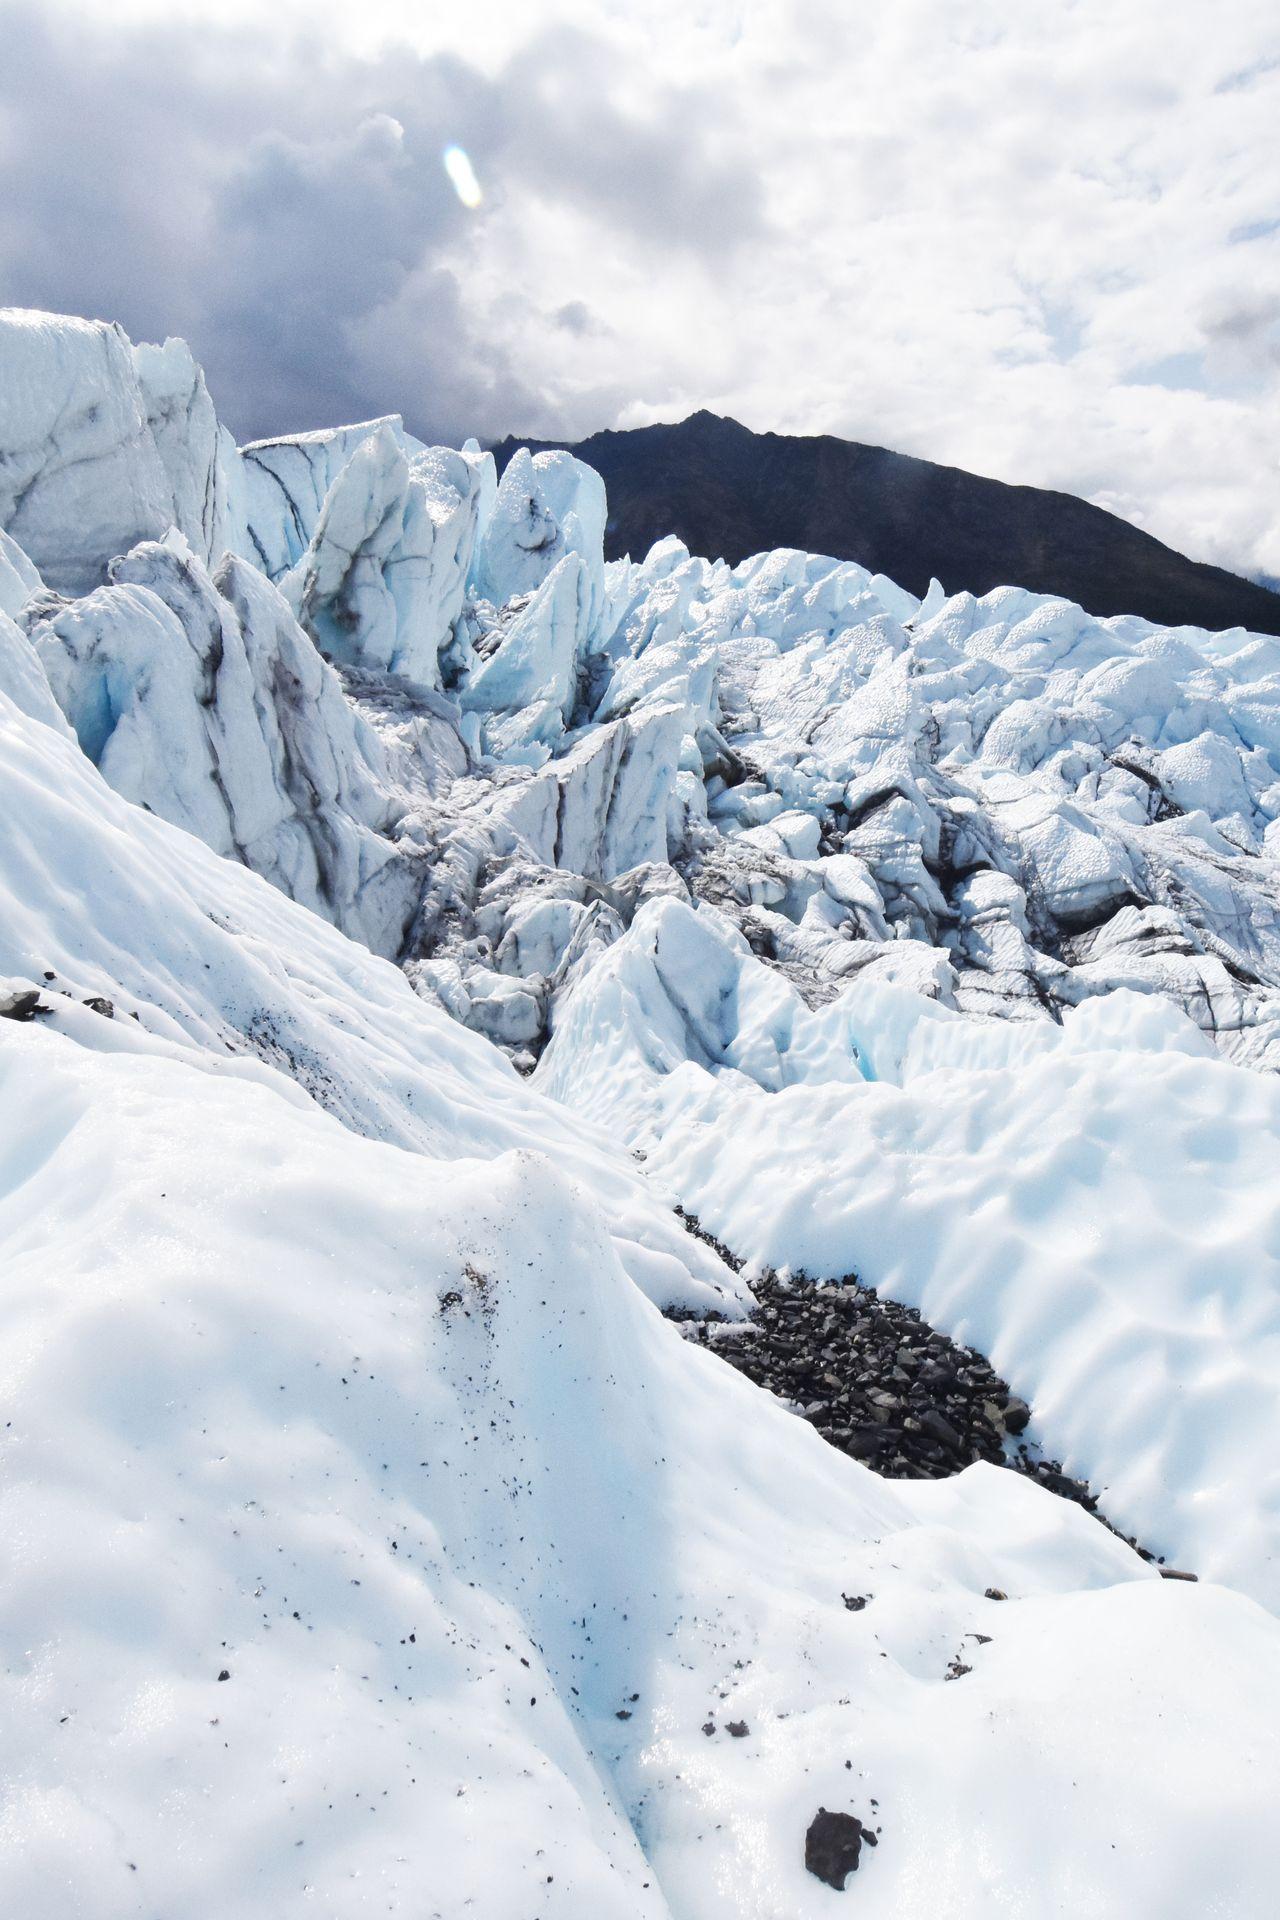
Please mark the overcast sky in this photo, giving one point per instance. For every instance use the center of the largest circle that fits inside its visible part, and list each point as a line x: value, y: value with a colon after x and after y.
x: 1036, y: 238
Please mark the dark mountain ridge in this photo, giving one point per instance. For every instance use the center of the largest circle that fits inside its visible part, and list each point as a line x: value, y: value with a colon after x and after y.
x: 728, y: 492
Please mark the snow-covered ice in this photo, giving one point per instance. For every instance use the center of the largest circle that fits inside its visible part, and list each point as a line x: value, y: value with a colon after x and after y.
x: 239, y: 979
x: 395, y: 1447
x: 464, y: 904
x: 1095, y: 1206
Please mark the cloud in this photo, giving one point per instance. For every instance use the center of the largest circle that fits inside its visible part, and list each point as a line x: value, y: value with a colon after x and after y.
x: 1037, y: 238
x: 289, y: 211
x: 575, y: 317
x: 653, y: 172
x: 1243, y: 327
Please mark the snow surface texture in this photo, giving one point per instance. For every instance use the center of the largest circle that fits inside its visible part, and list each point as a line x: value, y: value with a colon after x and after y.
x: 445, y: 1499
x: 932, y: 941
x: 1093, y: 1206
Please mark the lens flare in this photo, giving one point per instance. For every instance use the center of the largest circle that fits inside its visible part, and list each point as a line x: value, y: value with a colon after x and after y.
x: 462, y: 176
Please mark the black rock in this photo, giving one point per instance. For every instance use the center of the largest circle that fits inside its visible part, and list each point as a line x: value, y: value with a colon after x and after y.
x: 21, y: 1005
x: 941, y: 1429
x: 834, y: 1351
x: 738, y: 1728
x: 832, y: 1846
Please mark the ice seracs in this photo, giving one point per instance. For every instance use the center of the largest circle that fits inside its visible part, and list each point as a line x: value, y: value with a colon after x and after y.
x: 532, y: 663
x: 199, y: 698
x: 548, y: 505
x: 287, y: 482
x: 1114, y: 783
x: 380, y: 584
x: 103, y: 444
x: 198, y: 454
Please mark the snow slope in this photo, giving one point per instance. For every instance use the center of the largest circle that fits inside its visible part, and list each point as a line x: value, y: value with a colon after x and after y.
x: 1095, y: 1206
x: 223, y: 969
x: 463, y: 904
x: 394, y: 1446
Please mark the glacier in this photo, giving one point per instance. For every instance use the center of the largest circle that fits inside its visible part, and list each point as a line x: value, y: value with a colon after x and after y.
x: 418, y: 911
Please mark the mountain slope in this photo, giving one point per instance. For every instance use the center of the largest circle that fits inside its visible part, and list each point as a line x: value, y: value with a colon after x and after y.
x: 728, y: 493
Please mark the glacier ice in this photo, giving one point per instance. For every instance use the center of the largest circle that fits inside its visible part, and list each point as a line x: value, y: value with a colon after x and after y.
x: 377, y: 1535
x: 19, y: 577
x: 1093, y: 1204
x: 381, y: 582
x: 200, y: 699
x: 287, y: 481
x: 547, y: 506
x: 1121, y: 780
x: 103, y: 444
x: 532, y: 662
x: 199, y: 456
x: 936, y: 941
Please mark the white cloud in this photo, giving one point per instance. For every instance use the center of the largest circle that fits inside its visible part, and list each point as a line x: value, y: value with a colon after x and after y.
x: 1033, y: 237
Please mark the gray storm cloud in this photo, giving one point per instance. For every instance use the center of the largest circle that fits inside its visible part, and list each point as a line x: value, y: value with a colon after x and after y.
x: 287, y: 210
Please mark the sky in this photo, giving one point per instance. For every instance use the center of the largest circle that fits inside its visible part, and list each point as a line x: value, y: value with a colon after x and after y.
x: 1036, y: 238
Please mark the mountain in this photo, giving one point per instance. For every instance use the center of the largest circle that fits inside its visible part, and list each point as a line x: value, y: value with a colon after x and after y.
x: 728, y: 493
